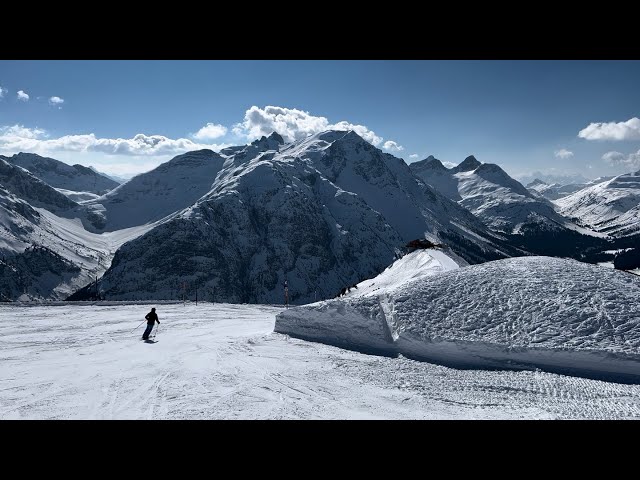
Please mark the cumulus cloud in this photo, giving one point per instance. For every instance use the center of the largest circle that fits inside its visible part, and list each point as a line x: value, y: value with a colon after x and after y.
x: 210, y: 131
x: 414, y: 155
x: 563, y: 153
x: 3, y: 91
x: 629, y: 130
x: 18, y: 138
x: 392, y: 146
x: 294, y: 124
x: 23, y: 96
x: 56, y: 101
x: 631, y: 161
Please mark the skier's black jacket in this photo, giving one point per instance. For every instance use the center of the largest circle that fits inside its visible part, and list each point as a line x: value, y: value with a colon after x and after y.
x: 152, y: 318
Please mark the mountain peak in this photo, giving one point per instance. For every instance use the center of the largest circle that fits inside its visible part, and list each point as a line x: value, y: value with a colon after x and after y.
x: 27, y: 154
x: 490, y: 167
x: 351, y: 136
x: 272, y: 142
x: 537, y: 181
x: 429, y: 163
x: 275, y: 136
x: 469, y: 163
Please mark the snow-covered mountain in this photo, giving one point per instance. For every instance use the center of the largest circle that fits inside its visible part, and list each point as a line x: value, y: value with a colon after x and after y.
x: 439, y: 176
x: 505, y: 205
x: 518, y: 313
x: 323, y: 212
x: 24, y: 185
x: 151, y: 196
x: 75, y: 178
x: 551, y: 178
x: 488, y: 192
x: 611, y: 207
x: 555, y: 191
x: 115, y: 178
x: 46, y: 253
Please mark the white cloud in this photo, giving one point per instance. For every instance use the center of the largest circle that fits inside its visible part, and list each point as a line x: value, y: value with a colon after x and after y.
x: 18, y: 138
x: 294, y: 124
x: 449, y: 164
x: 629, y: 130
x: 56, y: 101
x: 631, y: 161
x: 414, y: 155
x: 23, y: 96
x: 3, y: 91
x: 563, y: 153
x: 210, y: 131
x: 18, y: 131
x: 392, y: 146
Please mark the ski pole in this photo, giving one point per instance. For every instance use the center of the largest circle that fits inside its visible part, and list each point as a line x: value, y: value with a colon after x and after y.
x: 137, y: 326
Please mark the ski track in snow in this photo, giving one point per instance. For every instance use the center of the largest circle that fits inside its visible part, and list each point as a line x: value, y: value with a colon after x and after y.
x: 222, y: 361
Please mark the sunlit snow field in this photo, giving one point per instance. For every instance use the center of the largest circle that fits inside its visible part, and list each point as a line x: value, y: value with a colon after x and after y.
x: 222, y: 361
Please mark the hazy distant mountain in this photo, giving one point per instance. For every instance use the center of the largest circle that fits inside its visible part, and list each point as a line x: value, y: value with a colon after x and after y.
x: 550, y: 178
x: 115, y: 178
x: 556, y: 190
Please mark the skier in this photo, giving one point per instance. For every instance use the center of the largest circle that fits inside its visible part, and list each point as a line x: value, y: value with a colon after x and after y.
x: 151, y: 318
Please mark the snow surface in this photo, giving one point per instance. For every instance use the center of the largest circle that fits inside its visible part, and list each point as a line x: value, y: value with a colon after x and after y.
x: 78, y: 196
x: 221, y: 361
x: 413, y: 266
x: 528, y: 312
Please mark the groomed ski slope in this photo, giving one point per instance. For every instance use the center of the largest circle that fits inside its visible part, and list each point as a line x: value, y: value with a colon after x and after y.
x: 224, y: 362
x: 523, y: 313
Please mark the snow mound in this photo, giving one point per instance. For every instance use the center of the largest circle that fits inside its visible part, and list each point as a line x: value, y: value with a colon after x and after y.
x: 411, y: 267
x: 520, y: 313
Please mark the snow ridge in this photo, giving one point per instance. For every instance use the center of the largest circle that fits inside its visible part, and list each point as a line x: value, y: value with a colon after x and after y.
x: 522, y: 313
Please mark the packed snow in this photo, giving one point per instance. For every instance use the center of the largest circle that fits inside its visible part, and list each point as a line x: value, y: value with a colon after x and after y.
x: 222, y: 361
x: 411, y: 267
x: 528, y: 312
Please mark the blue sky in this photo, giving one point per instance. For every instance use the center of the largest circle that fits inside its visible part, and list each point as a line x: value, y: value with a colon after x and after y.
x: 125, y: 117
